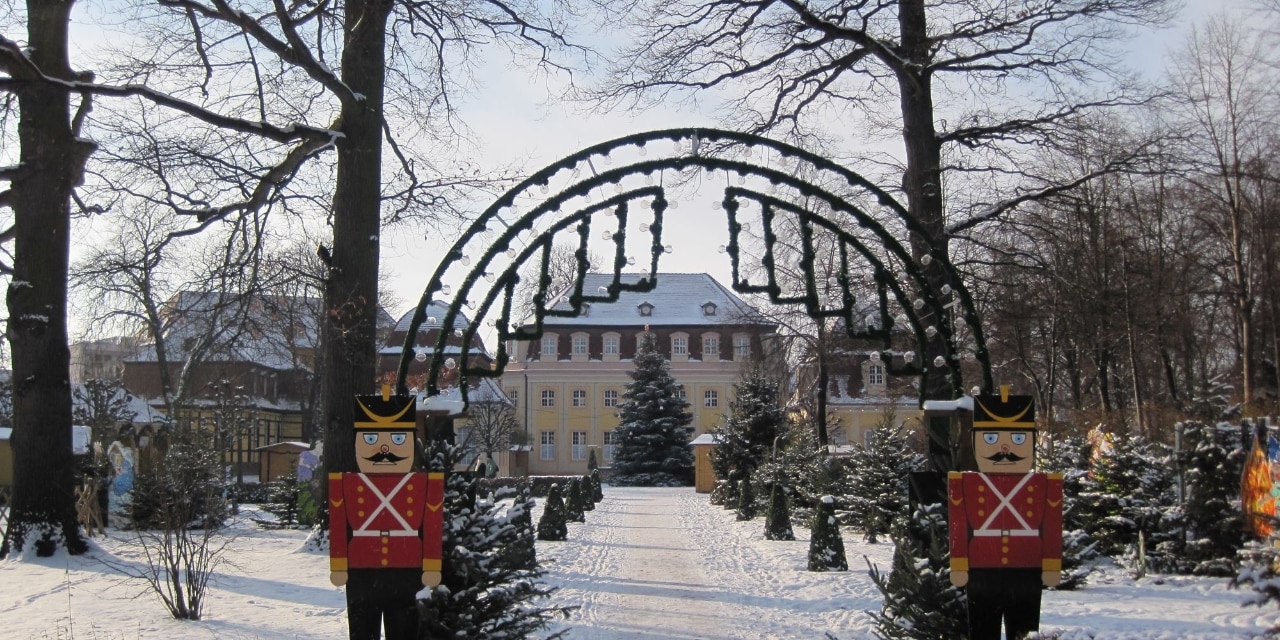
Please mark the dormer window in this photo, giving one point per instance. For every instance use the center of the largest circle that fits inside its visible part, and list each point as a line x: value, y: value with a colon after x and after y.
x: 645, y: 308
x: 708, y: 308
x: 586, y: 310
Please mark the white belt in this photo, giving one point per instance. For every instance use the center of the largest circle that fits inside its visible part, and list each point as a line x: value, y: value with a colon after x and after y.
x: 377, y: 534
x: 994, y: 533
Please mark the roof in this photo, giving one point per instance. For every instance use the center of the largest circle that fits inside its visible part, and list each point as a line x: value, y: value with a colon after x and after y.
x: 435, y: 316
x: 677, y: 299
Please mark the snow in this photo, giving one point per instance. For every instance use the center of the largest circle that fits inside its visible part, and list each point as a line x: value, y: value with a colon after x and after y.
x: 658, y: 563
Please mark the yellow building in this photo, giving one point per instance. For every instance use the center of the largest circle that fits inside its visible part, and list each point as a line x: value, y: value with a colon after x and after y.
x: 567, y: 385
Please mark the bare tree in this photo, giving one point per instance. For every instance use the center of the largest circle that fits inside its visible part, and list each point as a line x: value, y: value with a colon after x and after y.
x: 816, y: 72
x: 490, y: 423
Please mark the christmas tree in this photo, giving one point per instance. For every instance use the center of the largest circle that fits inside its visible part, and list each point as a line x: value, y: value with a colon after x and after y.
x: 826, y: 547
x: 491, y: 586
x: 597, y: 490
x: 573, y: 510
x: 653, y: 431
x: 919, y: 599
x: 1212, y: 462
x: 552, y: 525
x: 746, y: 435
x: 587, y: 487
x: 878, y: 475
x: 1070, y: 457
x: 777, y: 522
x: 746, y: 498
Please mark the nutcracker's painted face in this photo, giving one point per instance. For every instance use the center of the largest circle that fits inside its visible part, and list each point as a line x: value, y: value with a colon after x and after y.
x: 384, y: 451
x: 1004, y: 450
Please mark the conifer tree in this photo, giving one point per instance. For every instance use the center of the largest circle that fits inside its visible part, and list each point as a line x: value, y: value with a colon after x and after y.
x: 1070, y: 457
x: 587, y: 487
x: 491, y: 586
x: 573, y: 510
x: 777, y: 522
x: 653, y: 431
x: 1212, y: 462
x: 747, y: 433
x: 919, y: 599
x: 878, y: 474
x: 592, y: 463
x: 746, y: 498
x: 524, y: 551
x: 597, y: 488
x: 826, y: 547
x: 553, y: 523
x: 1129, y: 494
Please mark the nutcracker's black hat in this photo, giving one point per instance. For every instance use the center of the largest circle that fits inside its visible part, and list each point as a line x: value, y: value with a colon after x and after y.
x: 386, y: 412
x: 1004, y: 411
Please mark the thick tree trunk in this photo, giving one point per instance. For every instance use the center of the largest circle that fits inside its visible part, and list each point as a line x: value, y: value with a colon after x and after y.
x: 43, y: 513
x: 351, y: 292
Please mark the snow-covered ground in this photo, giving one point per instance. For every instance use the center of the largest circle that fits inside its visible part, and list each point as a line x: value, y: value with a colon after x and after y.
x: 658, y: 563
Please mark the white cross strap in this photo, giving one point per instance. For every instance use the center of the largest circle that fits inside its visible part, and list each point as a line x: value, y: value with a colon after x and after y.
x: 385, y: 505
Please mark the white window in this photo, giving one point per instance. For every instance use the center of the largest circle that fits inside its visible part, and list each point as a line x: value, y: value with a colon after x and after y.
x: 610, y: 397
x: 710, y: 346
x: 579, y: 445
x: 709, y: 309
x: 549, y: 345
x: 741, y: 347
x: 681, y: 394
x: 548, y: 445
x: 579, y: 397
x: 710, y: 398
x: 548, y: 397
x: 875, y: 375
x: 645, y: 308
x: 680, y: 346
x: 611, y: 345
x: 514, y: 394
x: 579, y: 345
x: 610, y: 442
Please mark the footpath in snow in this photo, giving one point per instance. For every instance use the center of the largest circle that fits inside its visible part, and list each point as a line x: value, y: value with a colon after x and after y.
x: 651, y: 563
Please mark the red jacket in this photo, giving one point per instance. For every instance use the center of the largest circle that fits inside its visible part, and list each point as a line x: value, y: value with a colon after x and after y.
x: 1005, y: 520
x: 388, y: 520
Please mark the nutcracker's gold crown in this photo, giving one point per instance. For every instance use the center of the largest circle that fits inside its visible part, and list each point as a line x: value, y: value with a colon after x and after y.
x: 1004, y: 411
x: 385, y: 412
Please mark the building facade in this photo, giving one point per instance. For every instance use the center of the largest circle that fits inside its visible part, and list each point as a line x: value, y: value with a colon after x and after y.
x: 567, y: 385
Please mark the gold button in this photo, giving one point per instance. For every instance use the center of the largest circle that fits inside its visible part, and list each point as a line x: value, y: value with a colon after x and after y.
x: 360, y: 513
x: 981, y: 489
x: 981, y: 512
x: 384, y: 551
x: 359, y: 489
x: 1004, y: 538
x: 359, y: 500
x: 1031, y: 489
x: 981, y: 500
x: 410, y: 500
x: 1031, y: 500
x: 384, y: 562
x: 385, y: 539
x: 1030, y: 513
x: 409, y: 513
x: 1002, y: 561
x: 410, y: 487
x: 1002, y: 549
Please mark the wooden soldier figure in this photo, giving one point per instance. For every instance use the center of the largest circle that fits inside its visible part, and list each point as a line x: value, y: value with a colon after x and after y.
x: 385, y: 522
x: 1005, y: 521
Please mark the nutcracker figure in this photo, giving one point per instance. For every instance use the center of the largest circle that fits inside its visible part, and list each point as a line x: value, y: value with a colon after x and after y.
x: 385, y: 522
x: 1005, y: 521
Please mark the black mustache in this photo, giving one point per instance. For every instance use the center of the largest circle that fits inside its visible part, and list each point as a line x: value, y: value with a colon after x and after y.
x: 384, y: 457
x: 1005, y: 456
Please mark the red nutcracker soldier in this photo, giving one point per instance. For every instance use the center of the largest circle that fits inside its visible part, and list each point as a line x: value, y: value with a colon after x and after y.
x: 385, y: 522
x: 1005, y: 521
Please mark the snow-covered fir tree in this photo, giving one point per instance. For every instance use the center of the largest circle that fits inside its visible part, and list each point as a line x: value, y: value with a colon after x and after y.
x: 1127, y: 503
x: 826, y: 546
x: 804, y: 468
x: 1211, y: 463
x: 553, y: 525
x: 588, y: 488
x: 488, y: 588
x: 919, y: 599
x: 597, y: 488
x: 653, y: 431
x: 746, y: 497
x: 573, y: 509
x: 878, y: 475
x: 777, y: 522
x: 1069, y: 456
x: 746, y: 434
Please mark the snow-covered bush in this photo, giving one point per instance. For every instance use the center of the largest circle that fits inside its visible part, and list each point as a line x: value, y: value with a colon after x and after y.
x: 777, y: 522
x: 877, y: 477
x: 553, y: 525
x: 826, y: 547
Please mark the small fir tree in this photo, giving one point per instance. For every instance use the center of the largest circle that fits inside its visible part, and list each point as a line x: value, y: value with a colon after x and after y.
x: 490, y: 586
x: 777, y: 523
x: 747, y: 433
x: 878, y: 473
x: 588, y: 490
x: 573, y: 509
x: 919, y: 599
x: 524, y: 553
x: 720, y: 493
x: 553, y: 523
x: 1129, y: 494
x: 597, y: 488
x: 1259, y: 571
x: 1211, y: 464
x: 826, y: 547
x: 806, y: 469
x: 653, y: 431
x: 1070, y: 457
x: 746, y: 498
x: 592, y: 464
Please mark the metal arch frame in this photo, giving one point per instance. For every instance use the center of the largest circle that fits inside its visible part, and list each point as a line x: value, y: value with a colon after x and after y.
x: 619, y: 204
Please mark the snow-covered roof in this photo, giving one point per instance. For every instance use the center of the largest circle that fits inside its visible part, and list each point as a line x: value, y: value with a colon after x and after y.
x: 677, y: 299
x: 6, y: 433
x: 964, y: 402
x: 705, y: 438
x: 435, y: 318
x: 449, y: 400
